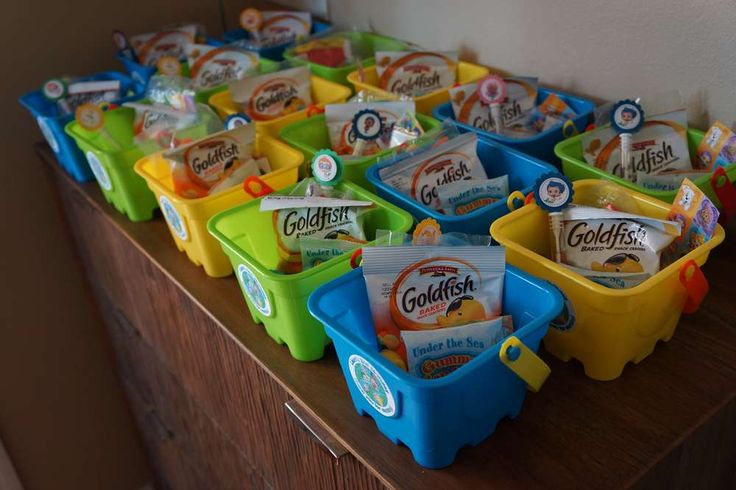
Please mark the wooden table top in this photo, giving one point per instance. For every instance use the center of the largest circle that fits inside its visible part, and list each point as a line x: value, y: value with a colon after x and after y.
x: 575, y: 432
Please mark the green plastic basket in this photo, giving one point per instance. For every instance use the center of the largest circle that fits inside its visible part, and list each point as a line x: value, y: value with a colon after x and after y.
x: 364, y: 42
x: 310, y: 135
x: 279, y: 301
x: 113, y: 167
x: 570, y: 151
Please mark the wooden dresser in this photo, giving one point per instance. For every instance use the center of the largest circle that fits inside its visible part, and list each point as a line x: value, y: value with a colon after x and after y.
x: 220, y: 405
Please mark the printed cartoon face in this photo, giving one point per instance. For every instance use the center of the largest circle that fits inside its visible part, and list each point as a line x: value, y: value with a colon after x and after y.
x: 368, y: 123
x: 554, y: 190
x: 627, y: 115
x: 706, y: 216
x: 705, y: 157
x: 462, y: 310
x: 687, y: 198
x: 622, y: 262
x: 695, y: 240
x: 730, y: 151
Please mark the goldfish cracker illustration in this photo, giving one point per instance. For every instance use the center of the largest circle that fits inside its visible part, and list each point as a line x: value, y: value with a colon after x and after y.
x: 462, y: 310
x: 420, y: 176
x: 717, y: 148
x: 622, y: 262
x: 698, y: 217
x: 415, y: 72
x: 273, y: 95
x: 211, y: 66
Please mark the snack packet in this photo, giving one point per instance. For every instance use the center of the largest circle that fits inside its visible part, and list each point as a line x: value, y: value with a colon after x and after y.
x: 667, y: 181
x: 551, y: 112
x: 152, y: 46
x: 333, y: 51
x: 338, y: 222
x: 93, y: 91
x: 280, y: 27
x: 339, y: 119
x: 158, y: 122
x: 717, y: 148
x: 415, y: 72
x: 612, y: 280
x: 199, y: 166
x: 464, y: 196
x: 273, y: 95
x: 434, y: 354
x: 405, y: 130
x: 175, y: 91
x: 601, y: 240
x: 698, y: 217
x: 211, y: 66
x: 420, y: 176
x: 314, y: 251
x: 660, y: 146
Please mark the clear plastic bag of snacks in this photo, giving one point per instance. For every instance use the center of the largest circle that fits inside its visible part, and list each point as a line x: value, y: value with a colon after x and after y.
x: 174, y: 91
x: 155, y: 126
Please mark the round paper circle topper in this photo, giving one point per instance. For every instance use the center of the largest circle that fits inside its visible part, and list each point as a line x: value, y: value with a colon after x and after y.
x: 168, y: 65
x: 367, y: 124
x: 327, y: 167
x: 118, y: 37
x: 54, y: 89
x: 492, y: 89
x: 627, y: 116
x: 553, y: 192
x: 251, y: 19
x: 236, y: 120
x: 89, y: 116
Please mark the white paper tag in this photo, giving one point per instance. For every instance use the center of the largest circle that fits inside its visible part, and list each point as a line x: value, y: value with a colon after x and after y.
x: 273, y: 203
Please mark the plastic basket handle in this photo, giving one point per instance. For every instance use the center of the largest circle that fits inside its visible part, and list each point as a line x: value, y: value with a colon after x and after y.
x: 695, y: 284
x: 255, y: 187
x: 726, y: 194
x: 356, y: 258
x: 516, y: 196
x: 569, y: 130
x: 524, y: 363
x: 313, y: 110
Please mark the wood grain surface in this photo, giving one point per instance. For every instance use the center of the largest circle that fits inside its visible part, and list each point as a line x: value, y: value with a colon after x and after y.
x: 666, y: 423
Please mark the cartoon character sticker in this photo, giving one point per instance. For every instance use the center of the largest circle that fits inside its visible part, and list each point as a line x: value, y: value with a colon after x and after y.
x: 554, y: 193
x: 627, y: 117
x: 103, y: 178
x: 372, y: 385
x: 462, y: 310
x: 173, y: 219
x: 253, y: 289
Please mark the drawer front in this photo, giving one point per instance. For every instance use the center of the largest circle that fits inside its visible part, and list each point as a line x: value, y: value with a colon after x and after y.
x: 224, y: 380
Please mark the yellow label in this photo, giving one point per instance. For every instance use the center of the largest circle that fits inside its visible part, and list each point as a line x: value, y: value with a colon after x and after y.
x: 90, y: 116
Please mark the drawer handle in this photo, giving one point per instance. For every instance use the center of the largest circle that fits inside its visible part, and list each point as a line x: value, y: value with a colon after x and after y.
x: 315, y: 429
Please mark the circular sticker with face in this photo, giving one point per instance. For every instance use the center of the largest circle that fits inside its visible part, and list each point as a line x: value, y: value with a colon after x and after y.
x: 173, y: 218
x: 168, y: 65
x: 553, y: 192
x: 48, y: 134
x: 253, y: 289
x: 327, y: 167
x: 251, y: 19
x: 54, y: 89
x: 367, y: 125
x: 492, y: 90
x: 121, y: 42
x: 90, y: 116
x: 236, y: 120
x: 371, y: 385
x: 627, y: 116
x: 103, y: 178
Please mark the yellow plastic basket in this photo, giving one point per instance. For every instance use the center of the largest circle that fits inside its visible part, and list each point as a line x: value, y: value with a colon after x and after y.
x: 187, y: 218
x: 466, y: 73
x: 323, y: 92
x: 603, y: 328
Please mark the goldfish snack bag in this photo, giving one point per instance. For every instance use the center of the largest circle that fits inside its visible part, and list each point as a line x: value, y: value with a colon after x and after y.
x: 283, y: 26
x: 420, y: 176
x: 464, y: 196
x: 152, y: 46
x: 211, y: 66
x: 415, y: 72
x: 550, y: 113
x: 273, y: 95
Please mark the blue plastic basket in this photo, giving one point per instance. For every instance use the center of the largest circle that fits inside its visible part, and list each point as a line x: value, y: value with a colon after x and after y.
x: 523, y: 171
x: 276, y: 52
x: 434, y: 418
x: 52, y: 123
x: 542, y: 145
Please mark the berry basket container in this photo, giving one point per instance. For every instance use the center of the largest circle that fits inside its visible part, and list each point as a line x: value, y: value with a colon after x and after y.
x: 435, y: 418
x: 542, y: 145
x: 366, y: 41
x: 601, y: 327
x: 523, y: 171
x: 113, y: 167
x: 275, y: 52
x: 570, y: 151
x: 187, y: 218
x: 52, y: 123
x: 277, y: 300
x: 466, y: 73
x: 310, y: 135
x: 323, y: 92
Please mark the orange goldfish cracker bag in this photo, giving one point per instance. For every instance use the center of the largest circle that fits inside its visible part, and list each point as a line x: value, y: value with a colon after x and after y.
x: 415, y: 72
x: 281, y: 27
x: 273, y: 95
x: 152, y: 46
x: 420, y: 176
x: 211, y: 66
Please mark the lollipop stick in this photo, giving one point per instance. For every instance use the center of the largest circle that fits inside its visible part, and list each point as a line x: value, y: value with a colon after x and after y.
x: 359, y: 147
x: 555, y: 224
x: 496, y: 117
x: 626, y: 164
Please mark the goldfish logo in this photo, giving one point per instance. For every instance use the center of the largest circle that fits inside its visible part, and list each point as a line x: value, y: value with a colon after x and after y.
x: 438, y: 171
x: 219, y: 66
x: 435, y: 293
x: 275, y: 98
x: 208, y: 160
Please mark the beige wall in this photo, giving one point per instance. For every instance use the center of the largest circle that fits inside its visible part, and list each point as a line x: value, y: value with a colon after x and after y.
x: 607, y: 49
